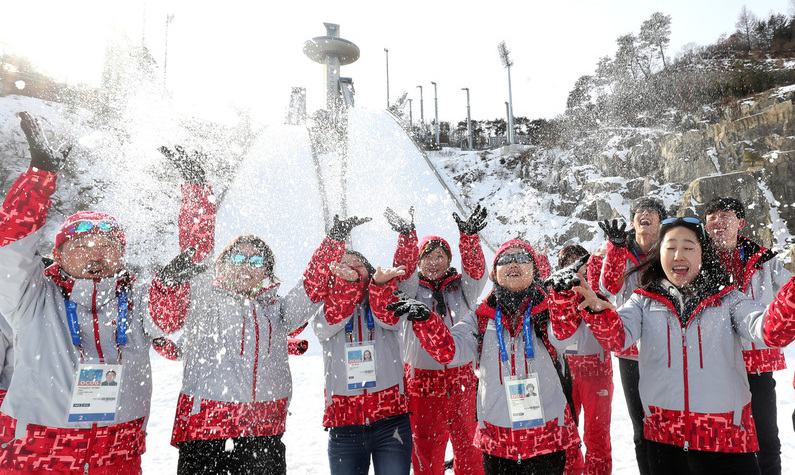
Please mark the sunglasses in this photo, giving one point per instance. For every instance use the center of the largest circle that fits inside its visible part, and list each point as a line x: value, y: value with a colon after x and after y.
x: 82, y: 227
x: 240, y: 259
x: 686, y: 219
x: 519, y: 258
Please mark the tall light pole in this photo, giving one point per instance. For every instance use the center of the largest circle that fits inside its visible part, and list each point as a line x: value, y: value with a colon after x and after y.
x: 411, y: 118
x: 508, y: 120
x: 386, y: 51
x: 169, y: 19
x: 436, y: 111
x: 469, y: 120
x: 505, y: 56
x: 422, y: 108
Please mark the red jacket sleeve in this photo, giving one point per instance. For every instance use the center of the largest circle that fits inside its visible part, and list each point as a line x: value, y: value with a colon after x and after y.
x: 166, y: 348
x: 407, y: 253
x: 594, y: 271
x: 473, y: 261
x: 197, y: 220
x: 608, y: 329
x: 779, y: 326
x: 380, y: 297
x: 169, y: 306
x: 615, y: 265
x: 296, y: 346
x: 317, y: 276
x: 544, y: 269
x: 341, y: 300
x: 25, y: 206
x: 563, y: 314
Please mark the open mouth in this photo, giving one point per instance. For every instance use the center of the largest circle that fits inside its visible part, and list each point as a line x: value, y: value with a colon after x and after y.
x: 645, y: 222
x: 514, y: 273
x: 680, y: 270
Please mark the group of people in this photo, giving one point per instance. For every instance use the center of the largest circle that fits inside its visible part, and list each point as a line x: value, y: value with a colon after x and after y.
x: 413, y: 357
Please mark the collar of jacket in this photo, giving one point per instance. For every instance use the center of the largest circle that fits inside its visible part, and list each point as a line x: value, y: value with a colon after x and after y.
x: 81, y: 291
x: 450, y: 276
x: 265, y: 293
x: 684, y: 308
x: 753, y: 256
x: 488, y: 308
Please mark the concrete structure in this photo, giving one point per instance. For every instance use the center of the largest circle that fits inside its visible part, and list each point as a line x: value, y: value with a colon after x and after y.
x: 333, y: 52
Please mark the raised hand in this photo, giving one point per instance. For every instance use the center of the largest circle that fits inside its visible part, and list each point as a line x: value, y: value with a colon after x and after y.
x: 382, y: 276
x: 342, y: 227
x: 475, y: 223
x: 591, y: 301
x: 615, y: 234
x: 181, y: 269
x: 566, y: 278
x: 42, y: 155
x: 414, y: 310
x: 398, y: 223
x: 343, y: 272
x: 189, y: 166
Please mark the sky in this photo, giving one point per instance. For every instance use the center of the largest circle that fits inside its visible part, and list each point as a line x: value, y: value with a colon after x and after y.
x: 237, y: 54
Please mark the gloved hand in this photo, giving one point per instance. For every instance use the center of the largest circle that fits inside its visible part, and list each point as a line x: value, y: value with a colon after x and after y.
x: 181, y: 269
x: 566, y: 278
x: 342, y: 227
x: 475, y: 223
x: 42, y: 155
x: 616, y: 235
x: 414, y: 310
x: 189, y: 166
x: 399, y: 224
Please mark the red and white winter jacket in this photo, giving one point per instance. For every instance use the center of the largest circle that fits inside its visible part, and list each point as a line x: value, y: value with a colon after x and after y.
x: 349, y: 301
x: 761, y: 275
x: 34, y: 432
x: 460, y: 293
x: 615, y: 286
x: 693, y: 381
x: 236, y: 381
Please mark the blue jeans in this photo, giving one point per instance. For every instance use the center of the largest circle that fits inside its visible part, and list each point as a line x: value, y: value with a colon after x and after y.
x: 388, y: 441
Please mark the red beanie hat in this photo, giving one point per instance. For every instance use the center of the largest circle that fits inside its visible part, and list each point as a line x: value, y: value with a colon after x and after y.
x: 539, y: 261
x: 67, y: 232
x: 428, y: 241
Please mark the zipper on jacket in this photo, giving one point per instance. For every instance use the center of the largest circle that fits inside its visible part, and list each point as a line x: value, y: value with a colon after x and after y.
x: 256, y: 353
x: 687, y: 391
x: 668, y: 327
x: 700, y: 353
x: 243, y: 336
x: 91, y: 437
x: 95, y: 321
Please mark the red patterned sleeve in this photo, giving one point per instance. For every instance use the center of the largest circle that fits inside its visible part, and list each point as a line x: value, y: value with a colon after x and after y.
x: 407, y: 253
x: 297, y: 346
x: 317, y: 276
x: 380, y: 297
x: 166, y: 348
x: 615, y: 264
x: 544, y: 269
x: 594, y: 271
x: 473, y: 261
x: 564, y: 314
x: 25, y: 206
x: 169, y: 306
x: 608, y: 329
x: 197, y: 219
x: 341, y: 300
x: 779, y: 326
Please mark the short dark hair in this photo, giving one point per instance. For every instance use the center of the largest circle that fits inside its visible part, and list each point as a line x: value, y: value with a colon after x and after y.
x: 569, y: 254
x: 725, y: 204
x: 648, y: 202
x: 109, y: 372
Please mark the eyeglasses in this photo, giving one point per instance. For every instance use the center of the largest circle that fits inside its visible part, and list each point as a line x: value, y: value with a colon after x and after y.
x: 82, y: 227
x: 240, y: 259
x: 519, y: 258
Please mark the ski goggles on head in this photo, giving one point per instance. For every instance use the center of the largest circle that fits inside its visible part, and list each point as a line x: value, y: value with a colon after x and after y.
x: 517, y: 257
x: 240, y: 259
x: 82, y: 227
x: 686, y: 219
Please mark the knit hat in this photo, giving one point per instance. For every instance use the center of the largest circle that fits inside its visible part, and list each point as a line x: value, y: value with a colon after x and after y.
x: 521, y: 243
x: 648, y: 202
x: 429, y: 243
x: 101, y: 223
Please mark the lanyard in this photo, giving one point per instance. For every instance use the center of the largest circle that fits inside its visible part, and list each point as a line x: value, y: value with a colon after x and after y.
x: 121, y: 324
x: 527, y: 328
x: 370, y: 325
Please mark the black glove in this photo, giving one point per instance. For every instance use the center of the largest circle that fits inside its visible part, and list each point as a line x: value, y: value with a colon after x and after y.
x: 615, y: 234
x: 189, y: 166
x: 475, y: 223
x: 42, y: 155
x: 342, y: 227
x: 181, y: 269
x: 566, y: 278
x: 414, y: 310
x: 399, y: 224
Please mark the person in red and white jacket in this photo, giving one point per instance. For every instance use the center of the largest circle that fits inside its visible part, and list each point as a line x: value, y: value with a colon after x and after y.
x: 778, y: 330
x: 592, y: 377
x: 759, y: 274
x: 689, y: 318
x: 236, y: 384
x: 626, y: 251
x: 442, y: 397
x: 524, y: 421
x: 366, y: 408
x: 81, y: 317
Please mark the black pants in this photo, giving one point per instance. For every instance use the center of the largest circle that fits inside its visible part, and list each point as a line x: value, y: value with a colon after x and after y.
x: 248, y: 456
x: 667, y: 459
x: 549, y: 464
x: 763, y: 406
x: 630, y: 377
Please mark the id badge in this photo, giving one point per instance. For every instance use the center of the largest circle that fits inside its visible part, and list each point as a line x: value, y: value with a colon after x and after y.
x: 360, y: 365
x: 524, y: 401
x: 96, y: 394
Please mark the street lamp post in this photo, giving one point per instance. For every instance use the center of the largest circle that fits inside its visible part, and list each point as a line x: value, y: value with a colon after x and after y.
x: 169, y: 19
x: 411, y: 118
x: 508, y: 117
x: 505, y: 56
x: 386, y: 51
x: 436, y: 112
x: 422, y: 108
x: 469, y: 120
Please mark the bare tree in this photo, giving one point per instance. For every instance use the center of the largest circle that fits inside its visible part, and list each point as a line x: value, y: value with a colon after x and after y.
x: 656, y: 32
x: 745, y: 24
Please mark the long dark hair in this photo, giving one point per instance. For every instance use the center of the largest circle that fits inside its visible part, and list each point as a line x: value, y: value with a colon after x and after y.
x: 712, y: 274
